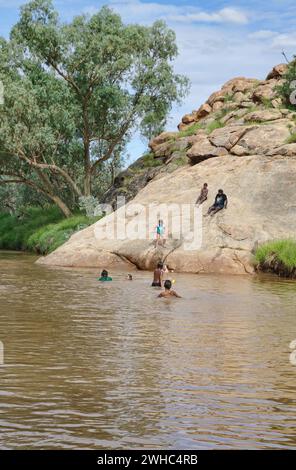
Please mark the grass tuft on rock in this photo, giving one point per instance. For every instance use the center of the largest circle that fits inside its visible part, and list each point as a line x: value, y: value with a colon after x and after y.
x: 214, y: 125
x: 190, y: 130
x: 291, y: 139
x: 278, y: 256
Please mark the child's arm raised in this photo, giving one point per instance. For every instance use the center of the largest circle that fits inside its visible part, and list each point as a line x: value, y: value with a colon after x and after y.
x: 176, y: 295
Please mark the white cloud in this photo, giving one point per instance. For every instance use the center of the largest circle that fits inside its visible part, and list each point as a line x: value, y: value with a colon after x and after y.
x: 135, y: 9
x: 226, y: 15
x: 274, y: 39
x: 211, y: 47
x: 284, y: 40
x: 262, y: 34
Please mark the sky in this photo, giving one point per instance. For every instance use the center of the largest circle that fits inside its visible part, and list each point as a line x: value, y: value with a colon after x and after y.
x: 217, y: 40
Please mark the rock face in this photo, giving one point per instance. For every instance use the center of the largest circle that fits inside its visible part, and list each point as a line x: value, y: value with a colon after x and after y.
x: 259, y: 188
x: 237, y: 141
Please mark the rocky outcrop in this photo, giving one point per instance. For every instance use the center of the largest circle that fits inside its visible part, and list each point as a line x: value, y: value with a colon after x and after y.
x: 242, y: 140
x: 261, y: 192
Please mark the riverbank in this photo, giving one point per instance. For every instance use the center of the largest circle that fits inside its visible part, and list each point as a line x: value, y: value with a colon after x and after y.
x: 278, y: 257
x: 39, y: 230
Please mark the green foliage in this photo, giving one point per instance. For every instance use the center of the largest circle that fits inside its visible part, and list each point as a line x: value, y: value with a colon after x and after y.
x: 291, y: 139
x: 40, y: 230
x: 228, y: 97
x: 50, y: 237
x: 149, y: 161
x: 180, y: 161
x: 75, y: 93
x: 190, y: 130
x: 216, y: 124
x: 287, y: 89
x: 283, y: 250
x: 222, y: 113
x: 267, y: 102
x: 15, y: 230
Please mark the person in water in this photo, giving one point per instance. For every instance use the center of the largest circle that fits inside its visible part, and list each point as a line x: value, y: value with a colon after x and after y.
x: 168, y: 292
x: 105, y: 276
x: 129, y: 277
x: 160, y: 229
x: 158, y: 275
x: 220, y: 203
x: 203, y: 195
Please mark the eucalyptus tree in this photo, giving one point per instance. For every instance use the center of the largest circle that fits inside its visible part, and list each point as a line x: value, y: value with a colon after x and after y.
x: 80, y: 90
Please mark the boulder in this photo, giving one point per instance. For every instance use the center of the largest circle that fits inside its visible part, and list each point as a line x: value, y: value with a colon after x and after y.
x: 246, y: 104
x: 277, y: 72
x: 239, y: 151
x: 263, y: 115
x: 216, y: 96
x: 244, y: 159
x: 288, y: 150
x: 233, y: 115
x: 189, y: 118
x: 217, y: 106
x: 239, y: 84
x: 227, y: 238
x: 203, y: 111
x: 227, y: 136
x: 164, y: 149
x: 265, y: 91
x: 239, y: 96
x: 259, y: 139
x: 202, y: 150
x: 162, y: 138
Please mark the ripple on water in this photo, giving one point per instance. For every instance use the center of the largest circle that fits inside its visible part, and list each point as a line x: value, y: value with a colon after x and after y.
x: 90, y: 365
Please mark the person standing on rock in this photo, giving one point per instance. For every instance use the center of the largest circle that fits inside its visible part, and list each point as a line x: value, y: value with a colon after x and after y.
x: 220, y: 203
x: 160, y: 231
x: 203, y: 195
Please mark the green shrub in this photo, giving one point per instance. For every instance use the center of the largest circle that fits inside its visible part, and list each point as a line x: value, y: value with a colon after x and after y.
x: 191, y: 130
x: 285, y: 91
x: 149, y: 161
x: 39, y: 230
x: 283, y: 250
x: 267, y: 102
x: 214, y: 125
x: 228, y: 97
x: 291, y: 139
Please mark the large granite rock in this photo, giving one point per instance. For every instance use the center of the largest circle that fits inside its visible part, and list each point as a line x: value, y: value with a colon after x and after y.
x: 261, y: 192
x: 239, y: 141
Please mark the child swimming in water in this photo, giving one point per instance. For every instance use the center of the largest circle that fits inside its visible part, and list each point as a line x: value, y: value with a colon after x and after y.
x: 158, y: 275
x: 105, y: 276
x: 168, y: 292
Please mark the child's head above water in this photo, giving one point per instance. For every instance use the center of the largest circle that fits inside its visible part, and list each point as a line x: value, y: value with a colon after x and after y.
x: 168, y: 285
x: 104, y: 273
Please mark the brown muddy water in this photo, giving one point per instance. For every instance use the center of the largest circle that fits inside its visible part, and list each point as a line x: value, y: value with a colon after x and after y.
x: 110, y: 366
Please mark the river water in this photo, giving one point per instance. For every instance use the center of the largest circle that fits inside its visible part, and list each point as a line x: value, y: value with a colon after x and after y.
x: 90, y: 365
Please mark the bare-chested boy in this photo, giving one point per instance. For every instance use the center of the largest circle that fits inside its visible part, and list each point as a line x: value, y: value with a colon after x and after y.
x: 168, y: 292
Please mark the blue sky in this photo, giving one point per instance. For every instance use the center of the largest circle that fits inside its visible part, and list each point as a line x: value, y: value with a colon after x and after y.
x: 217, y: 40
